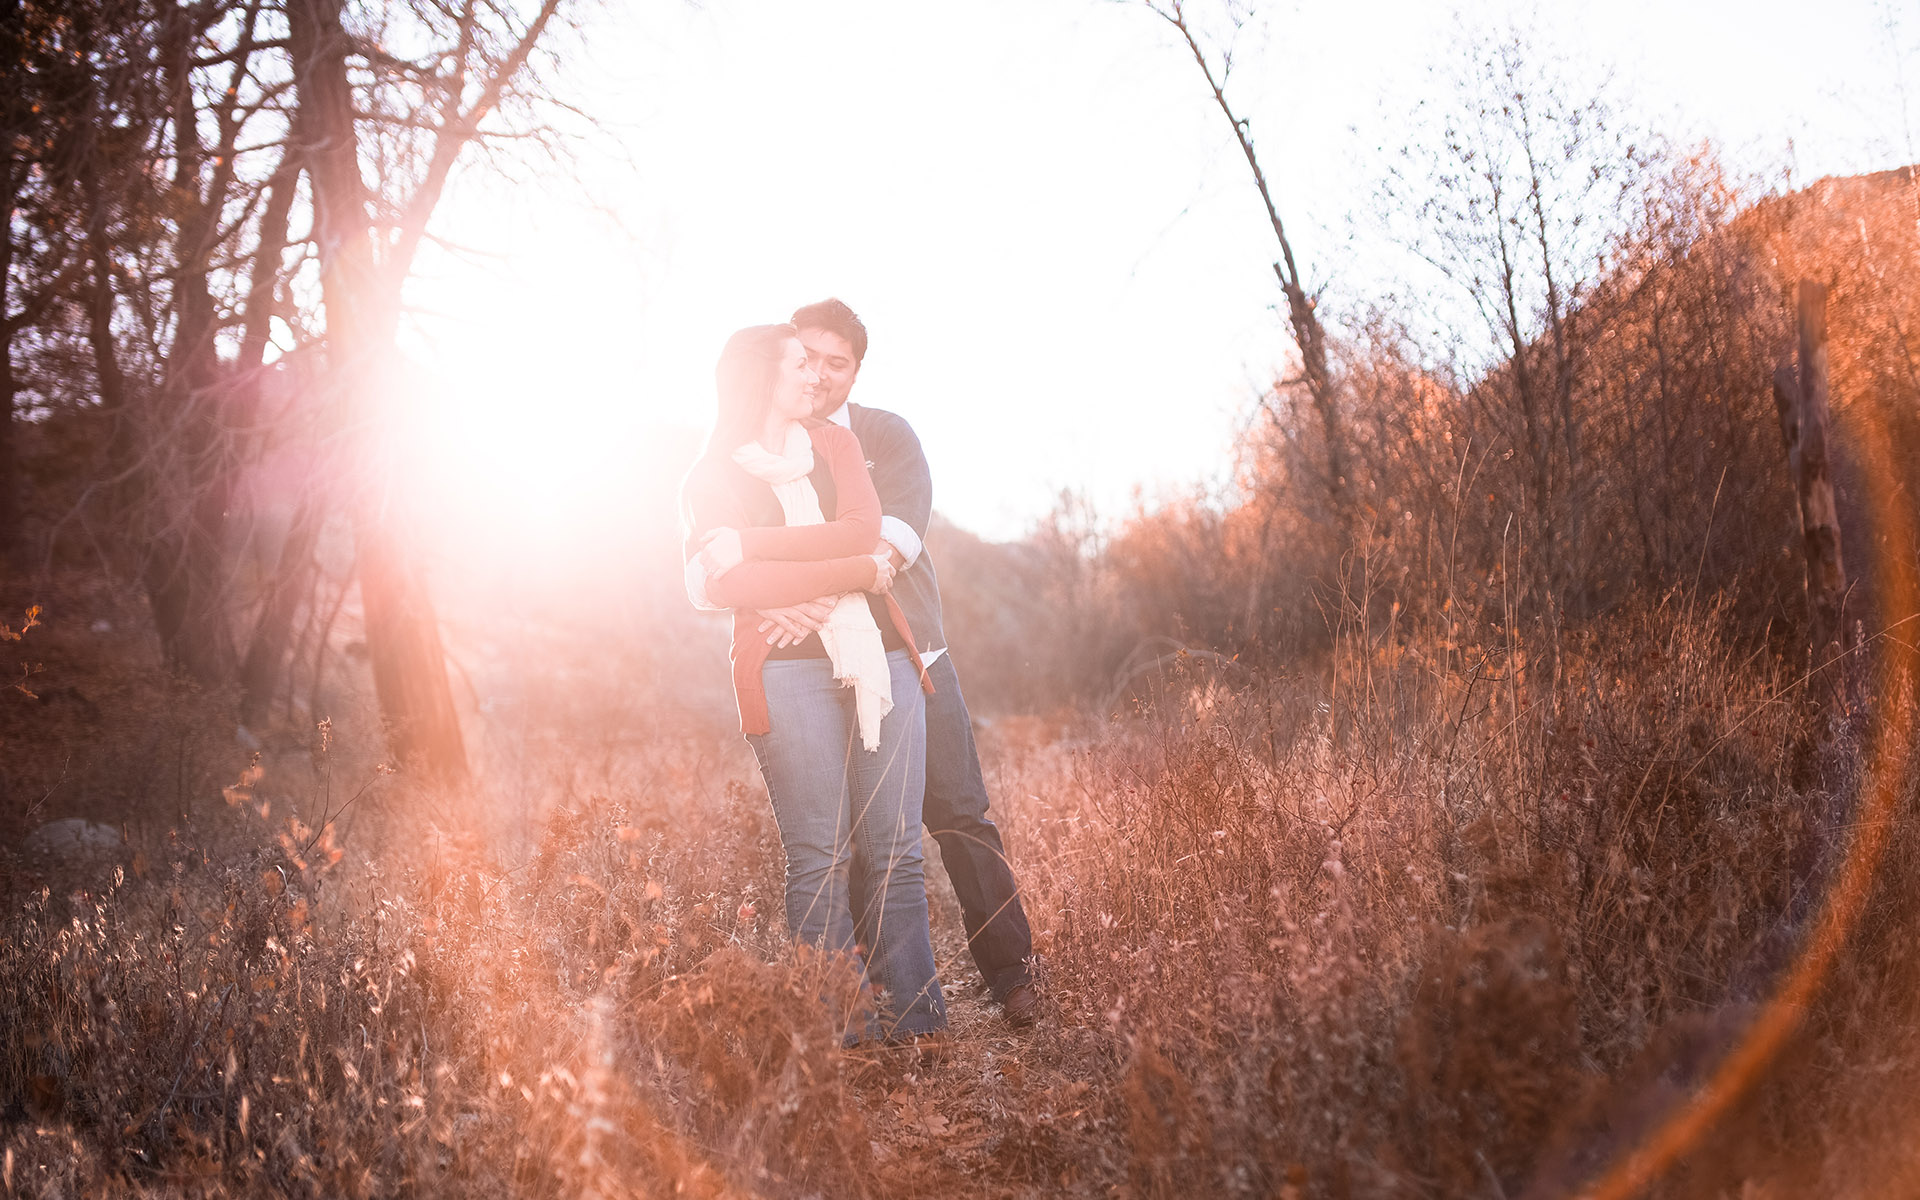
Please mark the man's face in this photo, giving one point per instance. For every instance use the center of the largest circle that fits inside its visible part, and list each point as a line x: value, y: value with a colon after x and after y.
x: 831, y: 357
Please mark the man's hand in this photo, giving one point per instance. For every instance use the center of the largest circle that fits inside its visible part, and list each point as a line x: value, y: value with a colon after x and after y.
x: 784, y: 627
x: 893, y: 554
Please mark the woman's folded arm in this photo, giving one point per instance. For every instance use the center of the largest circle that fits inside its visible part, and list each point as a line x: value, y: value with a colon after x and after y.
x: 778, y: 584
x: 850, y: 535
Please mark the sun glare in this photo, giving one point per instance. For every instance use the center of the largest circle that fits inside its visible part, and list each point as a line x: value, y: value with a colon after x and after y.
x: 538, y: 451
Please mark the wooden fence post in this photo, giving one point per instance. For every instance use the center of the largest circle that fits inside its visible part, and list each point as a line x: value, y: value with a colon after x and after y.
x: 1802, y: 399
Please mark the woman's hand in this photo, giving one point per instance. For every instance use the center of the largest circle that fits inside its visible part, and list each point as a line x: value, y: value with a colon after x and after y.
x: 722, y: 551
x: 795, y: 623
x: 882, y: 574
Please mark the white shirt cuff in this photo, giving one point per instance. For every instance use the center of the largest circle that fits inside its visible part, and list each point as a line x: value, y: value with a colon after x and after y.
x: 900, y: 535
x: 696, y: 577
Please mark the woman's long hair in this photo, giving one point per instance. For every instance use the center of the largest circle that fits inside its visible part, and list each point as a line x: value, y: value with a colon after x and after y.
x: 744, y: 378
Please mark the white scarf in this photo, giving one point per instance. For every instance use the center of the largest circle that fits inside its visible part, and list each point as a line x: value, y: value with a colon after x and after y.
x: 850, y: 636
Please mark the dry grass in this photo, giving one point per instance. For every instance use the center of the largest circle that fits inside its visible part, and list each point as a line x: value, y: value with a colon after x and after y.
x: 1411, y: 925
x: 1395, y: 956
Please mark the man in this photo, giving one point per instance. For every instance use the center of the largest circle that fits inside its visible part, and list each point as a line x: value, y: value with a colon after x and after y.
x: 955, y: 807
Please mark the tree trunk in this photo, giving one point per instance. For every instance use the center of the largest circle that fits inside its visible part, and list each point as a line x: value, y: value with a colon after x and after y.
x: 292, y: 580
x: 1802, y: 401
x: 1311, y: 336
x: 1308, y: 332
x: 264, y: 286
x: 110, y: 380
x: 186, y: 563
x: 260, y: 671
x: 1539, y: 450
x: 403, y: 633
x: 1559, y: 316
x: 9, y: 457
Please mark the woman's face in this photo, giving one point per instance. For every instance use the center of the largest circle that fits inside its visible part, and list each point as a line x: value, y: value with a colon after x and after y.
x: 793, y: 383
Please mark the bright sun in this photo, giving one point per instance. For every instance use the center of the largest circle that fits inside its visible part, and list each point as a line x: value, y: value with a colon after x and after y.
x: 539, y: 449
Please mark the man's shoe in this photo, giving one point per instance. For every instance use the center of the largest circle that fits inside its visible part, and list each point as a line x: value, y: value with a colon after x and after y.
x: 1022, y: 1006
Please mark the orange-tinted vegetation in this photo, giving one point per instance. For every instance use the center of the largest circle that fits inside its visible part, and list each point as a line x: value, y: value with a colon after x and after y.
x: 1443, y: 824
x: 1373, y: 928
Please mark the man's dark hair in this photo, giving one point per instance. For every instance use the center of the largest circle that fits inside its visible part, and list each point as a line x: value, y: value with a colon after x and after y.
x: 834, y: 316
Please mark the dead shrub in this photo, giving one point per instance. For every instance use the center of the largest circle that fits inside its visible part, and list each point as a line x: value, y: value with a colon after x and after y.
x: 1489, y: 1047
x: 749, y: 1053
x: 1168, y: 1134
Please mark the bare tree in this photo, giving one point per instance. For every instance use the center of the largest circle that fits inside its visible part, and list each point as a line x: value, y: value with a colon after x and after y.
x: 448, y: 94
x: 1512, y: 193
x: 146, y: 125
x: 159, y: 162
x: 1309, y: 333
x: 187, y: 568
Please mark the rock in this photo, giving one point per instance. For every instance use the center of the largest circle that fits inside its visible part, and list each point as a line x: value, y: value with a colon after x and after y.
x: 75, y: 842
x: 245, y: 737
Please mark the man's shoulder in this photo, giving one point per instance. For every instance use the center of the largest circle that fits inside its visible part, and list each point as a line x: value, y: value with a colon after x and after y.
x: 876, y: 422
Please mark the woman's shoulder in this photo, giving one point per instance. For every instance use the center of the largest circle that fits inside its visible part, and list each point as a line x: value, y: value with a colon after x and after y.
x: 702, y: 477
x: 835, y: 442
x: 710, y: 482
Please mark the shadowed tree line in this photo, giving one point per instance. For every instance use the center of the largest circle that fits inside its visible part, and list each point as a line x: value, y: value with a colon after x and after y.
x: 212, y: 212
x: 1563, y: 405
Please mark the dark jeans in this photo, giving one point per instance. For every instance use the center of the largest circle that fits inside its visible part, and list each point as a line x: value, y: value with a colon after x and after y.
x: 955, y: 812
x: 852, y: 816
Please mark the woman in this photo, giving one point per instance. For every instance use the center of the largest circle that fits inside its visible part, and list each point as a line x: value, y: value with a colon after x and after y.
x: 837, y: 722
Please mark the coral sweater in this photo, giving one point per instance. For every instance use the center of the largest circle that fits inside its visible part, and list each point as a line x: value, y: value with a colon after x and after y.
x: 787, y: 565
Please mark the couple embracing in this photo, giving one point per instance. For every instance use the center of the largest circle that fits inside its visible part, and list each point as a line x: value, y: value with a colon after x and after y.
x: 805, y: 517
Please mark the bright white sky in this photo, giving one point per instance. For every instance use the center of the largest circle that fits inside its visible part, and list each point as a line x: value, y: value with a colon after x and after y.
x: 1032, y: 203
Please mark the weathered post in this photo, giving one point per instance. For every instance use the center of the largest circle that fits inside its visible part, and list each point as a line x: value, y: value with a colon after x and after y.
x: 1824, y: 760
x: 1802, y: 399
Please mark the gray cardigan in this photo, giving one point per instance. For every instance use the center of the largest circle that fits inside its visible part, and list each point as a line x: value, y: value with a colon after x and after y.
x: 900, y: 475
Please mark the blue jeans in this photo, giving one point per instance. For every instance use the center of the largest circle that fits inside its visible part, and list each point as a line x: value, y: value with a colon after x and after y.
x: 836, y: 802
x: 955, y: 811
